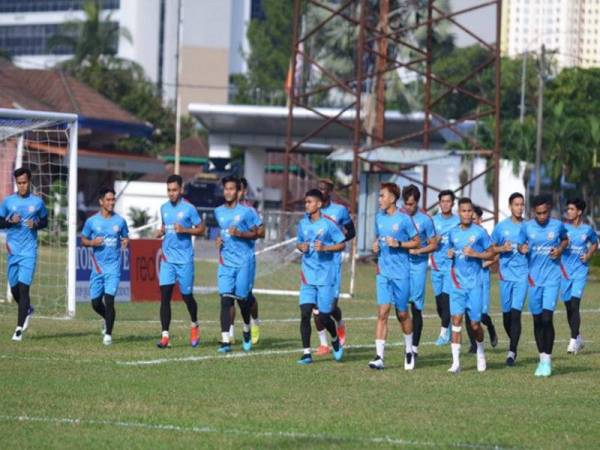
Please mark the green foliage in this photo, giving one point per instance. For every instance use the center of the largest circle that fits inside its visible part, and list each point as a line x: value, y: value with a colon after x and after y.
x: 139, y: 217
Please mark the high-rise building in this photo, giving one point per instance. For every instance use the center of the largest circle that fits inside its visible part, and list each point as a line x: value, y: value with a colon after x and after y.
x: 568, y: 28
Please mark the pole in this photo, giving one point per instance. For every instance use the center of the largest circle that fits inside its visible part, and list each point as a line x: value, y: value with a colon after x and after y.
x: 72, y: 221
x: 523, y: 77
x: 384, y: 7
x: 497, y: 102
x: 178, y: 90
x: 540, y: 122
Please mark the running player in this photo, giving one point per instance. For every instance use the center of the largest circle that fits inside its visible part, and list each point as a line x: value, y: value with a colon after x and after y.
x: 107, y: 233
x: 513, y: 272
x: 418, y: 259
x: 583, y: 242
x: 180, y: 221
x: 239, y: 227
x: 319, y: 239
x: 23, y: 214
x: 443, y: 222
x: 543, y: 240
x: 469, y: 246
x: 340, y: 215
x: 396, y: 235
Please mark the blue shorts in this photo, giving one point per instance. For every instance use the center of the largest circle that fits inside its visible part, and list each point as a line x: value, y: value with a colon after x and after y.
x: 319, y: 295
x: 183, y: 274
x: 543, y: 297
x: 235, y: 281
x: 337, y: 284
x: 467, y: 300
x: 418, y: 278
x: 252, y: 273
x: 573, y: 287
x: 485, y: 293
x: 21, y: 269
x: 393, y: 291
x: 104, y: 283
x: 440, y: 282
x: 512, y: 295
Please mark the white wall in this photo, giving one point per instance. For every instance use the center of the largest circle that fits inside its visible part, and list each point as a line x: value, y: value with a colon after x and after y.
x: 140, y: 194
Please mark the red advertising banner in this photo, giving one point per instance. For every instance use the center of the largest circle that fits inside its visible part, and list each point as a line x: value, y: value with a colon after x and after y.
x: 145, y: 268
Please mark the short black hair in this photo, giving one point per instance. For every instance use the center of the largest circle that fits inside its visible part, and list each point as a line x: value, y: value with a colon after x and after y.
x: 175, y: 179
x: 22, y: 171
x: 447, y: 192
x: 411, y: 191
x: 392, y: 188
x: 314, y: 193
x: 244, y: 182
x: 464, y: 201
x: 105, y: 191
x: 232, y: 179
x: 478, y: 211
x: 540, y: 200
x: 515, y: 195
x: 578, y: 203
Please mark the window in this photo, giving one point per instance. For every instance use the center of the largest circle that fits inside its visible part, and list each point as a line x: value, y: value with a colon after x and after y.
x: 20, y: 6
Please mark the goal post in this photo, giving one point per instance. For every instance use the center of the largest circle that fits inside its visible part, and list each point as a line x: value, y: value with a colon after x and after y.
x: 46, y: 143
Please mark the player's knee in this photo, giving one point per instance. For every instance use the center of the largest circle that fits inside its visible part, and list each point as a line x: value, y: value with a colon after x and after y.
x: 546, y: 318
x: 401, y: 315
x: 383, y: 314
x: 227, y: 301
x: 475, y: 326
x: 306, y: 311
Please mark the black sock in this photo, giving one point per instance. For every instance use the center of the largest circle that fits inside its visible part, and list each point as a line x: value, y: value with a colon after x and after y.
x: 515, y: 329
x: 166, y: 292
x: 575, y: 319
x: 445, y: 310
x: 226, y: 304
x: 469, y: 330
x: 506, y: 321
x: 111, y: 314
x: 192, y: 306
x: 417, y: 319
x: 329, y: 325
x: 548, y: 325
x: 305, y: 328
x: 23, y: 303
x: 538, y: 332
x: 98, y: 306
x: 336, y: 313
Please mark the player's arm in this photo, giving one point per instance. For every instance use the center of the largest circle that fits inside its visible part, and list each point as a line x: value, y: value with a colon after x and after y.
x: 506, y: 247
x: 349, y: 230
x: 413, y: 242
x: 487, y: 254
x: 490, y: 262
x: 194, y: 230
x: 301, y: 244
x: 250, y: 235
x: 42, y: 219
x: 432, y: 242
x: 338, y: 238
x: 593, y: 248
x: 564, y: 243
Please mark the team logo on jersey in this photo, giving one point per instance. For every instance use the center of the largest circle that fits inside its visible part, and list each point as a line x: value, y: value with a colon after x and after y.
x: 551, y: 235
x: 237, y: 218
x: 583, y: 238
x: 180, y: 215
x: 471, y: 239
x: 532, y: 235
x: 115, y: 228
x: 31, y: 208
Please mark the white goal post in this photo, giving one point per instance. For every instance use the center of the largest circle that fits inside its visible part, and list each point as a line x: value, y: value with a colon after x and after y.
x: 46, y: 142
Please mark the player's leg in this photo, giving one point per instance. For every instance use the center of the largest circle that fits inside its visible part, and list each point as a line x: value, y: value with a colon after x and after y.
x: 254, y: 320
x: 549, y: 298
x: 111, y: 286
x: 474, y: 308
x: 336, y: 313
x: 226, y: 287
x: 384, y: 305
x: 458, y: 303
x: 536, y: 308
x: 24, y: 277
x: 418, y: 278
x: 471, y: 336
x: 325, y: 304
x: 243, y: 282
x: 485, y: 317
x: 323, y: 348
x: 441, y: 303
x: 96, y: 294
x: 185, y: 280
x: 401, y: 292
x: 505, y: 288
x: 308, y: 302
x: 167, y: 279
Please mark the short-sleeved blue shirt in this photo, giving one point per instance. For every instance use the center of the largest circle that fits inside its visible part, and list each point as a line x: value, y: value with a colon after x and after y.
x: 543, y: 270
x: 513, y: 264
x: 112, y: 229
x: 580, y: 238
x: 443, y: 225
x: 21, y: 240
x: 236, y: 251
x: 466, y: 270
x: 393, y: 262
x: 177, y: 248
x: 424, y: 225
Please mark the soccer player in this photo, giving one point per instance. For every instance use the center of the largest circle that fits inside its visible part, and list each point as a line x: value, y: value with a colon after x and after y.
x: 239, y: 227
x: 486, y: 285
x: 443, y: 222
x: 583, y: 242
x: 340, y: 215
x: 512, y: 272
x: 107, y: 233
x: 396, y: 235
x: 418, y: 259
x: 543, y: 240
x: 180, y: 221
x: 469, y: 245
x: 23, y: 214
x: 319, y: 239
x: 254, y: 320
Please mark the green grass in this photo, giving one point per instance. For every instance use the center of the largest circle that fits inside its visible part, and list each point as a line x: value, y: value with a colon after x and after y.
x: 61, y: 372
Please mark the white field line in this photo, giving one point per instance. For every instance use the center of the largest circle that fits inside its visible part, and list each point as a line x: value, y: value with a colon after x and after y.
x: 291, y: 319
x: 384, y: 440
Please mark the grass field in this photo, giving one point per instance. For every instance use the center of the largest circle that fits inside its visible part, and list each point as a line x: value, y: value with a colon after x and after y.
x: 61, y: 388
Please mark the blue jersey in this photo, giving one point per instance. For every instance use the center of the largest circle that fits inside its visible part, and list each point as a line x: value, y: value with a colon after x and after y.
x: 112, y: 229
x: 257, y: 220
x: 466, y: 271
x: 513, y: 264
x: 543, y: 271
x: 236, y: 252
x: 21, y: 240
x: 319, y: 268
x: 393, y: 262
x: 426, y: 230
x: 177, y: 248
x: 340, y: 216
x: 580, y: 238
x: 443, y: 225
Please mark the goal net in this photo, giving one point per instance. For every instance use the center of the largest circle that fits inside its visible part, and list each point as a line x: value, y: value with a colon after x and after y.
x: 46, y: 144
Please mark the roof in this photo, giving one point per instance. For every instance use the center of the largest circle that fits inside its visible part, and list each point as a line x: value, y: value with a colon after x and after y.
x: 54, y: 90
x: 193, y: 151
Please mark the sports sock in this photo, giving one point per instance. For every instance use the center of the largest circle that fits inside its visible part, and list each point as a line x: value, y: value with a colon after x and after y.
x: 380, y: 347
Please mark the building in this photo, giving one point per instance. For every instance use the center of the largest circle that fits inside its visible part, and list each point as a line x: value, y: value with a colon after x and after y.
x: 568, y: 28
x: 213, y: 36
